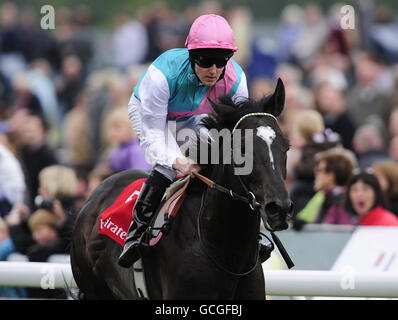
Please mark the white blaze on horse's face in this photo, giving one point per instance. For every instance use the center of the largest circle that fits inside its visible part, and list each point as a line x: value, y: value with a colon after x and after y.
x: 268, y: 135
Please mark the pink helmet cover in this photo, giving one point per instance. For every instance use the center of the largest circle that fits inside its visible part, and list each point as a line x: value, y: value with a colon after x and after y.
x: 210, y: 31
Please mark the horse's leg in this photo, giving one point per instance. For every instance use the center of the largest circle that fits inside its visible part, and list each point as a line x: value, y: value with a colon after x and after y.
x: 81, y: 261
x: 119, y: 281
x: 178, y: 273
x: 82, y: 271
x: 252, y: 286
x: 94, y: 256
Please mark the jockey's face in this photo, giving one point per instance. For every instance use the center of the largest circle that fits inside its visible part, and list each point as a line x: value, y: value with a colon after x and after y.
x: 208, y: 76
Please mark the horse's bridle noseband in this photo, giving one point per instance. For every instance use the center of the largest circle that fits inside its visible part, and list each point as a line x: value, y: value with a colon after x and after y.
x: 250, y: 199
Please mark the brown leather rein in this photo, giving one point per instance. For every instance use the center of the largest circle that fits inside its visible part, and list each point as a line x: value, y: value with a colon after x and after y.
x: 250, y: 199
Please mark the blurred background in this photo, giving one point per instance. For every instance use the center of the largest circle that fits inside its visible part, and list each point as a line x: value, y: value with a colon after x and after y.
x: 97, y: 50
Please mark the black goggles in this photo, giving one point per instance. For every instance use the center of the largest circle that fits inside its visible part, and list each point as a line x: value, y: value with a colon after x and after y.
x: 207, y: 61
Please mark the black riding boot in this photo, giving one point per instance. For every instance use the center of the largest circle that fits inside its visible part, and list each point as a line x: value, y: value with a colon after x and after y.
x: 148, y: 201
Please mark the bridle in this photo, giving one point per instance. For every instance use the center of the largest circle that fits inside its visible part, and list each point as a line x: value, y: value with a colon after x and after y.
x: 250, y: 199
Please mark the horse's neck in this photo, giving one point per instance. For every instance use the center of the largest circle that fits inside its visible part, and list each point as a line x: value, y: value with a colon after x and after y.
x: 232, y: 210
x: 228, y: 223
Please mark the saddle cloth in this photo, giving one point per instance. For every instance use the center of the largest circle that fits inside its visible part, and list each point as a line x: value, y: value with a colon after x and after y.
x: 114, y: 222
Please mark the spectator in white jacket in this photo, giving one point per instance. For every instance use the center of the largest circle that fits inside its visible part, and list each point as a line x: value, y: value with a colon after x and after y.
x: 12, y: 181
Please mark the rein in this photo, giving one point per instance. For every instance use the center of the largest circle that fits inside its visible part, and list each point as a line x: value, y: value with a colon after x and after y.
x: 250, y: 199
x: 209, y: 255
x: 255, y: 206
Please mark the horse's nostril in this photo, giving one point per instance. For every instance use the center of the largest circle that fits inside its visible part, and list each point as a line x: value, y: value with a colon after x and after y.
x: 277, y: 215
x: 272, y: 208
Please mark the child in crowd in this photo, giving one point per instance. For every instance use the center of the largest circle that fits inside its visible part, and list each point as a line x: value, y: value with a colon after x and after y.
x: 57, y: 191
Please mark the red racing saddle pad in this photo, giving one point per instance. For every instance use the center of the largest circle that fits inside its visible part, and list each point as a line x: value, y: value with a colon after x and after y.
x: 115, y: 221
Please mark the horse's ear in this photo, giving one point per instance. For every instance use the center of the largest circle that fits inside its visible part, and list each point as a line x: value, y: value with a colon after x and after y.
x: 276, y: 103
x: 220, y: 108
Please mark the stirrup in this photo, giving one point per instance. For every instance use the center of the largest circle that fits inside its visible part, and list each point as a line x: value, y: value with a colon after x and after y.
x: 134, y: 251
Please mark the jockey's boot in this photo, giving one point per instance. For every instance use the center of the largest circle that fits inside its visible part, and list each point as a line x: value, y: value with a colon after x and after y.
x: 148, y: 201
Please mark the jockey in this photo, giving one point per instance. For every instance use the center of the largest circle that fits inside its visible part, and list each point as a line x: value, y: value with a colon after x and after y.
x: 175, y: 89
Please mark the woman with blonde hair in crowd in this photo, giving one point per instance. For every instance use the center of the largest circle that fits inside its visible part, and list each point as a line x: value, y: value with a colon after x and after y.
x: 308, y: 138
x: 58, y: 186
x: 126, y: 153
x: 48, y: 230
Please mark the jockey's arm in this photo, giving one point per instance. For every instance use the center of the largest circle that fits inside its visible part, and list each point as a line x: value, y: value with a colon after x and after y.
x: 157, y: 142
x: 242, y: 91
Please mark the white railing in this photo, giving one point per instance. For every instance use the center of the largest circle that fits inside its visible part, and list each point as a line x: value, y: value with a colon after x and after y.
x: 331, y: 283
x: 278, y: 282
x: 44, y: 275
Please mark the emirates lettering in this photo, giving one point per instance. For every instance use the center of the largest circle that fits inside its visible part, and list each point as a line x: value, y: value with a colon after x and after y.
x: 114, y: 228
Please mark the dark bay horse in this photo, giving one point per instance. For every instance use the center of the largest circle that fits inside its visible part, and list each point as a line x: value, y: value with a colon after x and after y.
x: 211, y: 251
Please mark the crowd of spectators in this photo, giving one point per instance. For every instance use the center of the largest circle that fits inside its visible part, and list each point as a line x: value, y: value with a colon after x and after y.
x: 64, y: 125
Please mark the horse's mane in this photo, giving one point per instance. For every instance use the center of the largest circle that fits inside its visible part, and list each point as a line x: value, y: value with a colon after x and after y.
x: 227, y: 113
